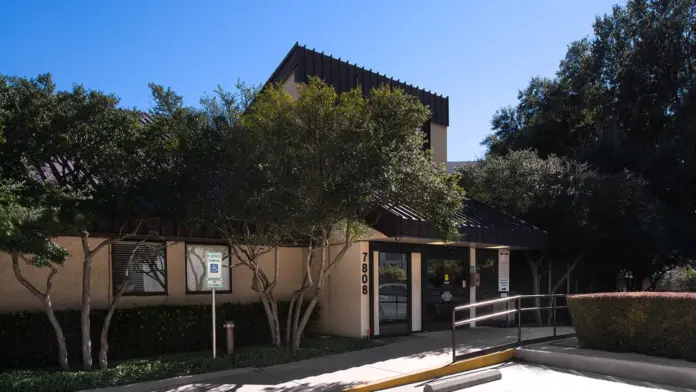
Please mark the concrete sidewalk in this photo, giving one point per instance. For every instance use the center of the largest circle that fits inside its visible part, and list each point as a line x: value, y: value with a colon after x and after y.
x: 567, y: 354
x: 398, y: 357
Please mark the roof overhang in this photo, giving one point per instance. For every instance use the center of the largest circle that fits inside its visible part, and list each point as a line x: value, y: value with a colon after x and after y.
x: 482, y: 227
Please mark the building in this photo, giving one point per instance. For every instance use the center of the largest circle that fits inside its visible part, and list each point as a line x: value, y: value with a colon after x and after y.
x: 401, y: 280
x: 454, y: 165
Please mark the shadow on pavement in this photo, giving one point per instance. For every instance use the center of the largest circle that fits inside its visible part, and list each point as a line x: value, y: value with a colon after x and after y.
x: 321, y: 374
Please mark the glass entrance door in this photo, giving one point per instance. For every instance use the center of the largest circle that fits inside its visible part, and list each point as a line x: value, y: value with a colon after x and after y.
x: 446, y: 285
x: 393, y: 293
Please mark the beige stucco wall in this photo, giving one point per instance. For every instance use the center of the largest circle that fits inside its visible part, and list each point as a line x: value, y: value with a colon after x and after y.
x: 344, y: 307
x: 438, y: 142
x: 68, y: 282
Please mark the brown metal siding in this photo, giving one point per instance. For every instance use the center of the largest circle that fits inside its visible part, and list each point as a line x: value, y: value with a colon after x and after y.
x: 344, y: 76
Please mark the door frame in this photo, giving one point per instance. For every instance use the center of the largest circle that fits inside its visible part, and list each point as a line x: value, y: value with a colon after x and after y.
x: 439, y: 253
x: 387, y: 247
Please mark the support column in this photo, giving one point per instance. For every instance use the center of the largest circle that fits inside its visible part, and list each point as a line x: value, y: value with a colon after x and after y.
x: 416, y: 298
x: 472, y: 288
x: 375, y: 293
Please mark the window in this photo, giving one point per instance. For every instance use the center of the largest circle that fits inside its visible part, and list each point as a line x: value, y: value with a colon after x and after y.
x: 195, y: 268
x: 139, y: 265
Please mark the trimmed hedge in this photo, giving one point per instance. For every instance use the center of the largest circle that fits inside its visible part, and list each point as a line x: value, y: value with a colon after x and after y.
x: 140, y: 370
x: 27, y: 339
x: 660, y: 324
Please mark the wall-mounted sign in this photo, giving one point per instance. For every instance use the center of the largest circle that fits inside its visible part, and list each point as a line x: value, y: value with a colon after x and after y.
x: 503, y: 270
x: 446, y: 296
x: 503, y: 256
x: 503, y: 285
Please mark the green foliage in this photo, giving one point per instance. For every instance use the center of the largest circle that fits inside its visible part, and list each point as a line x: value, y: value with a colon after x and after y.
x: 137, y: 332
x: 658, y: 324
x: 331, y: 158
x: 27, y: 219
x: 605, y: 217
x: 688, y: 281
x: 622, y: 99
x: 392, y: 273
x: 140, y: 370
x: 101, y: 153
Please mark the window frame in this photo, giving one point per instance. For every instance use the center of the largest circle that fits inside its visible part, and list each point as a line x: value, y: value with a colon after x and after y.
x: 186, y: 274
x: 140, y: 293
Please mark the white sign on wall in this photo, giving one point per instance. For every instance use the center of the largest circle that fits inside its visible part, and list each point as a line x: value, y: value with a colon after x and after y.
x: 503, y: 284
x: 504, y: 256
x: 503, y: 270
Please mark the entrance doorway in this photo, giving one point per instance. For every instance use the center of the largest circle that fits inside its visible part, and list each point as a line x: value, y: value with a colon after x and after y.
x: 394, y: 293
x: 445, y: 285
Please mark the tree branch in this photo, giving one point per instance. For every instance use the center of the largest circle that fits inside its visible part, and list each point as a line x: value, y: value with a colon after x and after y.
x: 18, y: 274
x: 565, y: 276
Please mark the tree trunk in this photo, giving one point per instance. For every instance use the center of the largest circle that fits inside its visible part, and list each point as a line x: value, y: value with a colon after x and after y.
x: 85, y: 324
x: 45, y: 298
x: 104, y: 336
x: 296, y: 316
x: 288, y: 319
x: 534, y: 269
x: 559, y: 282
x: 297, y: 338
x: 60, y: 337
x: 327, y: 265
x: 295, y: 309
x: 276, y: 323
x: 591, y: 288
x: 86, y: 308
x: 267, y: 307
x: 537, y: 289
x: 565, y: 276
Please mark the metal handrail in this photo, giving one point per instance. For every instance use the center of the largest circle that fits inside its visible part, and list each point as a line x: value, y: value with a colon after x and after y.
x: 518, y: 309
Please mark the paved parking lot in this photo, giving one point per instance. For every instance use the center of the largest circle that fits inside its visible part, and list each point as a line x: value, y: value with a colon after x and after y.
x: 521, y: 377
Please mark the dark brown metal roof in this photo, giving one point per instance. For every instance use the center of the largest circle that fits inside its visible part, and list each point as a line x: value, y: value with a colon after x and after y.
x: 480, y: 223
x: 344, y: 76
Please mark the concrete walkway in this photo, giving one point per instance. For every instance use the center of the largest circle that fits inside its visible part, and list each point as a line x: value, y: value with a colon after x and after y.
x: 398, y: 357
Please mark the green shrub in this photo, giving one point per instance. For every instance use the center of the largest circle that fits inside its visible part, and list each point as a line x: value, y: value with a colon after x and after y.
x: 27, y: 339
x: 166, y: 366
x: 661, y: 324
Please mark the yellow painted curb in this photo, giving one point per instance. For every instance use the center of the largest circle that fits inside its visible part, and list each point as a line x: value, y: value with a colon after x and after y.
x: 463, y: 366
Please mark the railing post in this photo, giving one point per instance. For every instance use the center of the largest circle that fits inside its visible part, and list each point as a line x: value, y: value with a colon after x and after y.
x: 519, y: 321
x: 554, y: 315
x: 454, y: 343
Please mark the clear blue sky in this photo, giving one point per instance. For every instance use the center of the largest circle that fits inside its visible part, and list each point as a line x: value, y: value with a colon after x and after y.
x: 479, y: 53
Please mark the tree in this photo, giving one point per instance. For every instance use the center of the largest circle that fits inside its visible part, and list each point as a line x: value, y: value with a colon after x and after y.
x: 605, y: 221
x: 335, y: 159
x: 144, y: 252
x: 622, y: 99
x: 29, y: 209
x: 27, y: 219
x: 81, y: 142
